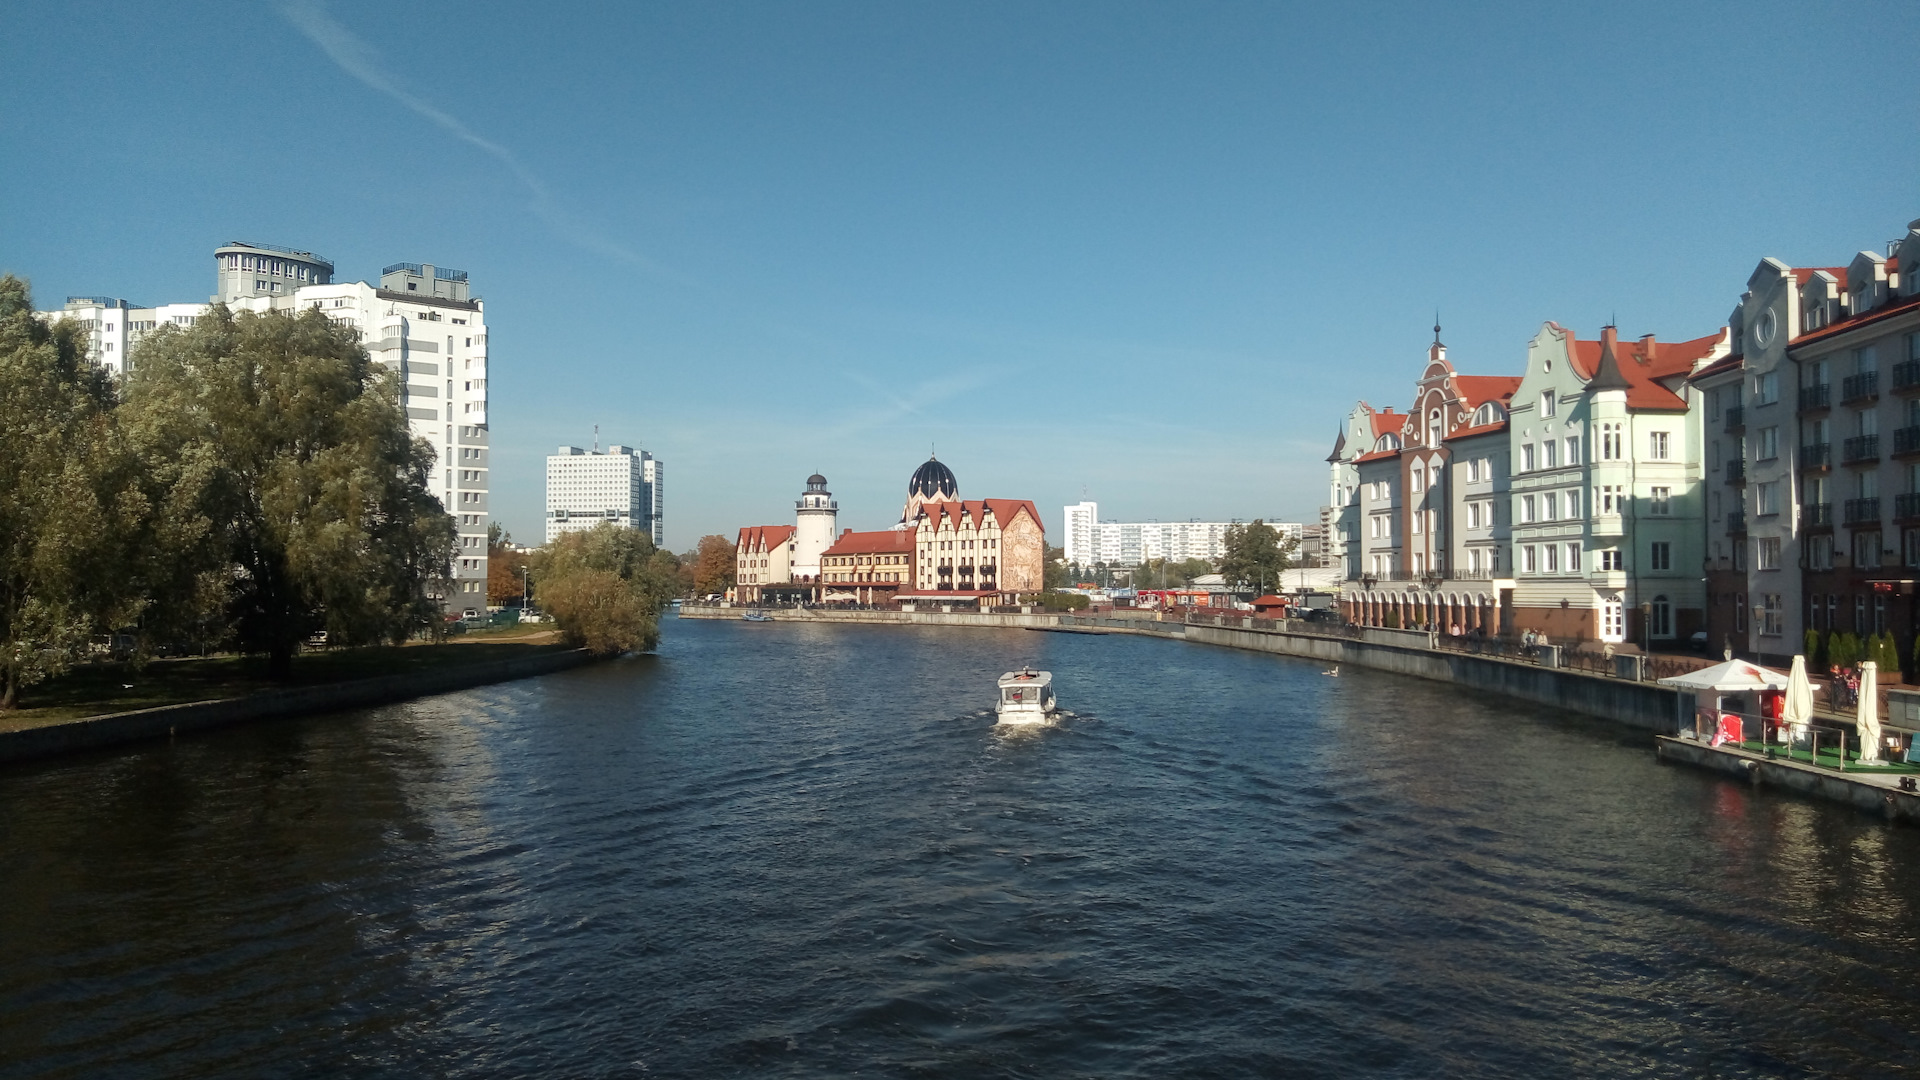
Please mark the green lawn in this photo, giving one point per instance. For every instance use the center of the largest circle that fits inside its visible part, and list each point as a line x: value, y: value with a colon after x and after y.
x: 94, y: 689
x: 1829, y: 758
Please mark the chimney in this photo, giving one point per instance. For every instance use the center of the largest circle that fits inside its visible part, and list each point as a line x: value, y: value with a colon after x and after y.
x: 1648, y: 347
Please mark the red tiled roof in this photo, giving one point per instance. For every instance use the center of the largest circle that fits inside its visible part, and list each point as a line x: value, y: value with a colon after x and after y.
x: 1386, y: 421
x: 883, y: 542
x: 1802, y: 273
x: 1469, y: 432
x: 1004, y: 511
x: 1377, y: 455
x: 1720, y: 366
x: 763, y: 537
x: 1669, y: 359
x: 1476, y: 389
x: 1885, y: 311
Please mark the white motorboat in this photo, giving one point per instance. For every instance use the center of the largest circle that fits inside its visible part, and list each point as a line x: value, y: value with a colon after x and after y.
x: 1026, y: 697
x: 757, y: 616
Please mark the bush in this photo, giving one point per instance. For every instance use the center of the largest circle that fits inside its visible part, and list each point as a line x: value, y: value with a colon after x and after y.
x: 1392, y: 621
x: 1813, y: 650
x: 1061, y: 601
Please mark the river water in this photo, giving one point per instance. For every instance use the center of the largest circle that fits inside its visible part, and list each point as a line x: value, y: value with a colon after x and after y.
x: 804, y: 850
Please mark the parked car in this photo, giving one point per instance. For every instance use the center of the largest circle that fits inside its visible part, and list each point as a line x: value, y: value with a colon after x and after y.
x: 1698, y: 642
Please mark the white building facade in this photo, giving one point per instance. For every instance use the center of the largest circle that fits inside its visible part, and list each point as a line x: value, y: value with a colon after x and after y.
x: 1090, y: 541
x: 586, y: 488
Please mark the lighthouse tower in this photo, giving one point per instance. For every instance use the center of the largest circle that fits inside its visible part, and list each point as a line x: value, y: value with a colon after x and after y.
x: 814, y: 518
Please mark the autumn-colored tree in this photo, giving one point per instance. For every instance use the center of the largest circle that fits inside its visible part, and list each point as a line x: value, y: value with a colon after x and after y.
x: 713, y: 566
x: 505, y: 585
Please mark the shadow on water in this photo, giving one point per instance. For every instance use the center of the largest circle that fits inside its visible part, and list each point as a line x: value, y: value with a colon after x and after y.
x: 801, y: 849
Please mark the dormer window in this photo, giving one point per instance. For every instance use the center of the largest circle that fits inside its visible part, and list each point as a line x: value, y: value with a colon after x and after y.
x: 1433, y: 428
x: 1488, y: 413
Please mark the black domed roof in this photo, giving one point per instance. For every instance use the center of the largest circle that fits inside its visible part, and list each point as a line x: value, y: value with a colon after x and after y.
x: 816, y: 478
x: 932, y: 478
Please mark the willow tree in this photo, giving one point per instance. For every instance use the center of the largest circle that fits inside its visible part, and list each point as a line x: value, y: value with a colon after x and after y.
x: 292, y: 445
x: 71, y: 504
x: 606, y: 588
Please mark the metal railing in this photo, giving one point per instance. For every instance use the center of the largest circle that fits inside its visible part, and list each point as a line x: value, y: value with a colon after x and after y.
x: 1737, y: 471
x: 1816, y: 516
x: 1864, y: 385
x: 1736, y: 418
x: 1906, y: 440
x: 1860, y: 448
x: 1906, y: 376
x: 1737, y: 523
x: 1858, y: 511
x: 1906, y: 507
x: 1817, y: 396
x: 1816, y: 456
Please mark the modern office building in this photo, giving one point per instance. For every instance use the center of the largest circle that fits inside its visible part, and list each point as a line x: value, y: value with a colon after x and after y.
x: 586, y: 488
x: 1091, y: 542
x: 420, y: 320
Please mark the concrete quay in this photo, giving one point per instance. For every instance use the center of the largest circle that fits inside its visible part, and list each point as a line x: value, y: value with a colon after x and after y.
x: 1876, y: 793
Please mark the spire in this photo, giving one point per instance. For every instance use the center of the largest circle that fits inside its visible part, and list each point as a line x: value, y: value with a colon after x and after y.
x: 1436, y: 326
x: 1606, y: 374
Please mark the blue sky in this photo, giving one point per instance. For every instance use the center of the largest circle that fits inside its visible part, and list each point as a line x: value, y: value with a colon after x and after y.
x: 1152, y: 252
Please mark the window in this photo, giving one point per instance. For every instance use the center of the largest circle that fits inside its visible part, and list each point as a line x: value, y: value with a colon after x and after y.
x: 1526, y: 508
x: 1660, y: 500
x: 1766, y: 498
x: 1766, y: 553
x: 1473, y: 515
x: 1546, y: 403
x: 1548, y: 506
x: 1772, y: 615
x: 1610, y: 560
x: 1768, y: 446
x: 1552, y: 555
x: 1550, y: 454
x: 1657, y: 445
x: 1419, y: 520
x: 1662, y: 618
x: 1820, y: 552
x: 1473, y: 471
x: 1866, y: 550
x: 1879, y: 614
x: 1609, y: 499
x: 1527, y: 562
x: 1526, y: 458
x: 1740, y: 612
x: 1660, y: 555
x: 1859, y: 614
x: 1573, y: 558
x: 1610, y: 442
x: 1573, y: 449
x: 1418, y: 484
x: 1909, y: 544
x: 1766, y: 388
x: 1486, y: 468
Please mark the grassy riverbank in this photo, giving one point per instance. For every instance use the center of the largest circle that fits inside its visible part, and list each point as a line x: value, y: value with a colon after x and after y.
x: 98, y: 689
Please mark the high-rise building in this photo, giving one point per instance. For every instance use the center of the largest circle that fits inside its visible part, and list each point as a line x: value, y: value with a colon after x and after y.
x: 420, y: 321
x: 587, y: 488
x: 1090, y: 541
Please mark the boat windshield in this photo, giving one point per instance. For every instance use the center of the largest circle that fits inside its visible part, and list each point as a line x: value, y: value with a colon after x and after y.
x: 1022, y: 693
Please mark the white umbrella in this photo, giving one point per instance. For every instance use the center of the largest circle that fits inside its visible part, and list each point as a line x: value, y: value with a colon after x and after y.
x: 1798, y: 709
x: 1867, y: 720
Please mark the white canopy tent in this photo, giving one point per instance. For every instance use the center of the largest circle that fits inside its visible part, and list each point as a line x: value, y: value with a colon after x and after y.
x: 1712, y: 686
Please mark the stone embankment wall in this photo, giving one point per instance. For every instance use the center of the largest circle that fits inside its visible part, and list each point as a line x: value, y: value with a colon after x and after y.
x: 1867, y: 791
x: 113, y: 728
x: 1640, y: 705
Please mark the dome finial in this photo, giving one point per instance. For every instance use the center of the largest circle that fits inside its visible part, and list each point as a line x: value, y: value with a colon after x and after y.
x: 1436, y: 326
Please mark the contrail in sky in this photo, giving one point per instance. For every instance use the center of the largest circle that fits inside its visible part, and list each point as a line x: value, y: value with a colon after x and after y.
x: 358, y: 59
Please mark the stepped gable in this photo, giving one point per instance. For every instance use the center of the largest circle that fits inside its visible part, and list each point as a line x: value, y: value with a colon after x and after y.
x: 764, y: 537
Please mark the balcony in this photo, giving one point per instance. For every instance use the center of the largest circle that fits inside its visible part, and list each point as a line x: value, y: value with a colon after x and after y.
x: 1906, y: 442
x: 1736, y: 418
x: 1816, y: 515
x: 1861, y: 511
x: 1860, y: 387
x: 1906, y: 507
x: 1737, y: 523
x: 1860, y: 449
x: 1737, y: 471
x: 1906, y: 377
x: 1816, y: 456
x: 1816, y: 397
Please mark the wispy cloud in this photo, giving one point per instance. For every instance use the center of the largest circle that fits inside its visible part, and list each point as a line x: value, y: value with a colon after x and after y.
x: 897, y: 406
x: 360, y: 60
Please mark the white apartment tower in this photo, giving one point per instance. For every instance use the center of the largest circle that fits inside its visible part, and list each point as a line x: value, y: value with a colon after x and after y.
x: 420, y: 320
x: 620, y: 486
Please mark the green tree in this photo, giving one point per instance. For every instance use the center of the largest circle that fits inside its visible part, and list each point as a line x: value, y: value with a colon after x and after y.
x: 293, y: 445
x: 1053, y: 574
x: 606, y: 587
x: 71, y: 504
x: 1255, y: 555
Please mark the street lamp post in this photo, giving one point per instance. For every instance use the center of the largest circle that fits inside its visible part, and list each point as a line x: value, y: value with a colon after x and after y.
x: 523, y: 590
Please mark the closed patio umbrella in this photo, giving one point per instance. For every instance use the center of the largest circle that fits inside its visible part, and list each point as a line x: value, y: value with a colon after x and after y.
x: 1797, y: 711
x: 1867, y: 720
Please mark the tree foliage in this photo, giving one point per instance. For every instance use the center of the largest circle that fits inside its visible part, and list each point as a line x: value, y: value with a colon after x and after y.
x: 1053, y: 570
x: 505, y: 585
x: 606, y: 587
x: 1255, y: 555
x: 73, y: 550
x: 713, y: 565
x: 1169, y: 573
x: 281, y: 434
